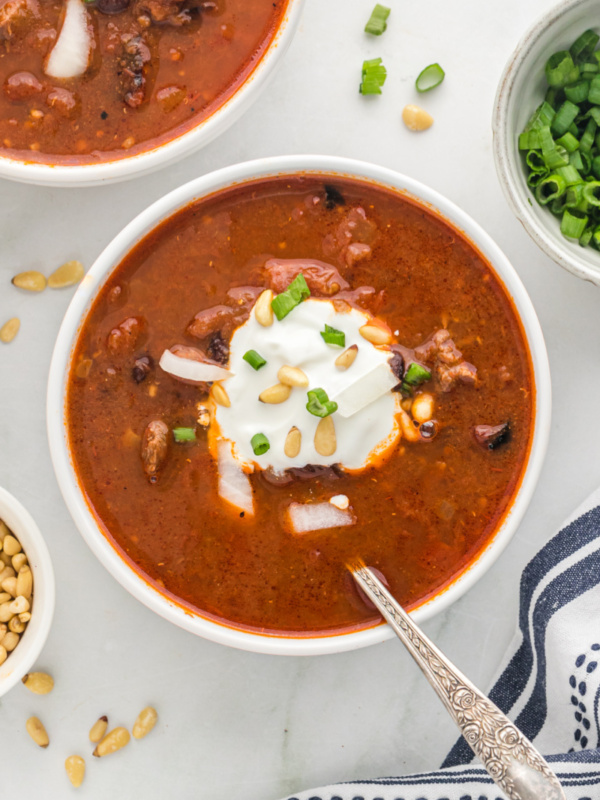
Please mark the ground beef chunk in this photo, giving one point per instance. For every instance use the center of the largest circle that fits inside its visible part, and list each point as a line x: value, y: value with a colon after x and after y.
x: 21, y: 86
x: 155, y: 445
x: 132, y: 71
x: 447, y: 360
x: 15, y: 16
x: 459, y: 373
x: 167, y: 12
x: 322, y: 278
x: 126, y: 336
x: 492, y: 436
x: 218, y: 348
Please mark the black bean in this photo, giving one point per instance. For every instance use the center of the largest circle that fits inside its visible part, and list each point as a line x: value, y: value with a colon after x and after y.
x: 112, y: 6
x: 141, y: 368
x: 396, y: 362
x: 333, y: 197
x: 428, y: 429
x: 218, y: 348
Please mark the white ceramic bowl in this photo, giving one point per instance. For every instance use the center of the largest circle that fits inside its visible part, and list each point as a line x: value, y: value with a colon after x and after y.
x: 175, y: 149
x: 23, y: 657
x: 114, y: 254
x: 521, y: 90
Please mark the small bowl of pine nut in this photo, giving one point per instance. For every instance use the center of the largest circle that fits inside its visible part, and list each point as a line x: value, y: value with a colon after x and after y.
x: 26, y: 591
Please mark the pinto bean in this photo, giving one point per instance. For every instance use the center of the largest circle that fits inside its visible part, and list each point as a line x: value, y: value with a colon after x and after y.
x: 126, y: 335
x: 243, y: 298
x: 65, y: 102
x: 155, y: 444
x: 210, y: 320
x: 21, y: 85
x: 321, y: 278
x: 141, y: 368
x: 492, y: 436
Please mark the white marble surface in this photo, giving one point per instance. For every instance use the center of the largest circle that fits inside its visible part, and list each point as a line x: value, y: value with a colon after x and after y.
x: 234, y: 723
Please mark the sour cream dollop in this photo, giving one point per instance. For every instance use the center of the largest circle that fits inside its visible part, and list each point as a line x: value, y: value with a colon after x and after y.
x: 362, y: 438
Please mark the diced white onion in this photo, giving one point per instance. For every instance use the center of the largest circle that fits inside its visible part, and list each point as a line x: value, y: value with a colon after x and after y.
x: 306, y: 517
x: 190, y: 370
x: 234, y: 484
x: 71, y: 54
x: 366, y: 389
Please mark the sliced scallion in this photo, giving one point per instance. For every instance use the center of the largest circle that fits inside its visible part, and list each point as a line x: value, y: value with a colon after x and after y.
x: 378, y: 20
x: 550, y: 189
x: 561, y: 70
x: 583, y: 47
x: 255, y: 359
x: 429, y: 78
x: 333, y: 336
x: 319, y: 403
x: 260, y: 444
x: 373, y: 76
x: 573, y: 223
x: 295, y: 293
x: 184, y: 434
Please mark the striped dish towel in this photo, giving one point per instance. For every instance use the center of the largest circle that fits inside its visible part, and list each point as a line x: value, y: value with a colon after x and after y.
x: 549, y: 682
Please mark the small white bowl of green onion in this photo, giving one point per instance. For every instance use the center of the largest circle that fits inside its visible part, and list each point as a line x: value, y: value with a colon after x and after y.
x: 547, y: 135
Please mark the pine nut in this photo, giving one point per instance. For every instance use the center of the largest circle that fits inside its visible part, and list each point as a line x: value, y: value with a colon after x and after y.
x: 9, y: 330
x: 38, y: 682
x: 98, y: 729
x: 144, y: 723
x: 18, y: 561
x: 416, y: 118
x: 11, y: 545
x: 347, y: 358
x: 32, y: 281
x: 275, y: 394
x: 3, y: 630
x: 24, y: 582
x: 6, y: 560
x: 25, y: 616
x: 5, y: 597
x: 340, y: 501
x: 37, y: 732
x: 5, y: 613
x: 325, y: 440
x: 406, y: 404
x: 422, y: 407
x: 66, y: 275
x: 112, y: 742
x: 16, y: 626
x: 75, y: 769
x: 19, y: 604
x: 9, y: 585
x: 11, y: 639
x: 3, y: 654
x: 203, y: 418
x: 293, y: 443
x: 375, y: 334
x: 410, y: 433
x: 3, y: 532
x: 262, y: 309
x: 7, y: 572
x: 292, y: 376
x: 220, y: 396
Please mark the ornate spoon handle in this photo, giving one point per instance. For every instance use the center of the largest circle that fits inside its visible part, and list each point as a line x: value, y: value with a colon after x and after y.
x: 509, y: 757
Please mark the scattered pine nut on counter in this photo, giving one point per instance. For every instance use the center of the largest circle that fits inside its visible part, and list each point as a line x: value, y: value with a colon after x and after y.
x: 37, y: 731
x: 144, y: 723
x: 75, y: 769
x: 113, y: 741
x: 16, y: 591
x: 98, y: 729
x: 9, y: 330
x: 38, y: 682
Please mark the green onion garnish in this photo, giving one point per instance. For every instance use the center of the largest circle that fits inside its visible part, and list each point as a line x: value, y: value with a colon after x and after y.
x: 333, y: 336
x: 255, y: 359
x: 260, y: 444
x: 184, y: 434
x: 429, y: 78
x: 378, y: 20
x: 573, y: 224
x: 319, y: 404
x: 295, y: 293
x: 414, y: 376
x: 373, y: 76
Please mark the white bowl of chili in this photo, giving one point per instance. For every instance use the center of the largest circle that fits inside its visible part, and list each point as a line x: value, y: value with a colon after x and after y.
x: 306, y: 168
x: 22, y: 526
x: 52, y: 135
x: 521, y: 90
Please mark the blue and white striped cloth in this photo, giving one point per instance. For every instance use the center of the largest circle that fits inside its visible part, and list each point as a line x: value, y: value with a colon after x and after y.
x: 549, y: 683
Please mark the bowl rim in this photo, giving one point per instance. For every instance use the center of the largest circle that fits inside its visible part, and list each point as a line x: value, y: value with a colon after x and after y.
x: 503, y: 136
x: 129, y: 237
x: 105, y: 172
x: 24, y: 527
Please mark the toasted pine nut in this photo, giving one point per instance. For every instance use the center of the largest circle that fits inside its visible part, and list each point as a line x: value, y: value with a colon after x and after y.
x: 18, y: 561
x: 24, y: 583
x: 25, y: 616
x: 37, y: 732
x: 75, y: 769
x: 38, y: 682
x: 203, y: 418
x: 416, y: 118
x: 112, y: 742
x: 293, y: 442
x: 15, y: 626
x: 11, y: 639
x: 6, y: 560
x: 422, y: 407
x: 3, y: 654
x: 346, y: 359
x: 9, y: 330
x: 339, y: 501
x: 3, y: 630
x: 144, y: 723
x: 98, y: 729
x: 32, y: 280
x: 275, y: 394
x: 9, y: 585
x: 11, y: 545
x: 262, y: 309
x: 5, y: 613
x: 7, y: 572
x: 292, y: 376
x: 325, y: 439
x: 3, y: 532
x: 219, y: 395
x: 5, y: 597
x: 406, y: 404
x: 375, y: 334
x: 410, y: 433
x: 19, y: 604
x: 66, y: 275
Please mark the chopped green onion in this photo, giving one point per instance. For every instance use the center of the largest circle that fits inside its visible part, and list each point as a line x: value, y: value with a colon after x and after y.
x: 414, y: 376
x: 583, y: 47
x: 543, y: 115
x: 319, y: 403
x: 535, y: 162
x: 569, y: 142
x: 373, y: 76
x: 260, y: 444
x: 378, y: 20
x: 573, y: 224
x: 587, y: 140
x: 565, y: 116
x: 594, y: 93
x: 590, y: 192
x: 586, y: 237
x: 560, y: 70
x: 554, y: 155
x: 429, y: 78
x: 184, y: 434
x: 550, y: 189
x: 596, y: 166
x: 333, y: 336
x: 535, y: 178
x: 569, y: 174
x: 530, y: 140
x: 577, y: 92
x: 295, y: 293
x: 255, y: 359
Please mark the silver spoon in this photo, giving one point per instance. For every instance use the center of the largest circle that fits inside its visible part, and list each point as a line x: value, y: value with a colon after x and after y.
x: 511, y: 760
